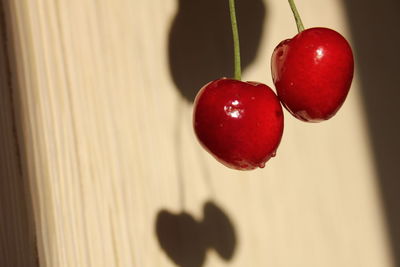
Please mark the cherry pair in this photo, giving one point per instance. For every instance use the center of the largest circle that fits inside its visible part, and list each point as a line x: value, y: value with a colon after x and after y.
x: 241, y: 123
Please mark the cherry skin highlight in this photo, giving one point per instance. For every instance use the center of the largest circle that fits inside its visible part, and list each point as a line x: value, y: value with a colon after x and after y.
x: 239, y: 123
x: 312, y: 73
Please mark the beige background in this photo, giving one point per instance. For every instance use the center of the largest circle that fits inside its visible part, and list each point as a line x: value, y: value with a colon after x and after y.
x: 101, y: 166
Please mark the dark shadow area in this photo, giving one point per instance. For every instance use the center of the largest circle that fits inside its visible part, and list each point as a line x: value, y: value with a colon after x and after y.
x: 185, y: 240
x: 200, y: 45
x: 376, y: 42
x: 17, y: 232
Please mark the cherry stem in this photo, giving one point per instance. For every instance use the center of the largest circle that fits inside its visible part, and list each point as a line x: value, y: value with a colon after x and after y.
x: 236, y: 46
x: 299, y: 23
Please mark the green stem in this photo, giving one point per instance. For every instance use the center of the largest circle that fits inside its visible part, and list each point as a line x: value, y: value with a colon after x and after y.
x: 299, y: 23
x: 236, y: 46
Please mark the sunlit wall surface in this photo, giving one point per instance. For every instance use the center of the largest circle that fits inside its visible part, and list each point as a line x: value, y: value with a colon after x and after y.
x: 102, y: 96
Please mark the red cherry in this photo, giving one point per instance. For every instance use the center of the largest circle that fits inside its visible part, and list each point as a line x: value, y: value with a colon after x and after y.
x: 239, y: 123
x: 312, y: 73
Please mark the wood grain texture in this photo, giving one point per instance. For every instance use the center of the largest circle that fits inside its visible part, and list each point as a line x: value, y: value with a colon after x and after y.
x: 17, y: 233
x: 117, y: 178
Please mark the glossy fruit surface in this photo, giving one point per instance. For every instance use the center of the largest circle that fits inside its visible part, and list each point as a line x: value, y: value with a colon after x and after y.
x: 312, y: 73
x: 239, y: 123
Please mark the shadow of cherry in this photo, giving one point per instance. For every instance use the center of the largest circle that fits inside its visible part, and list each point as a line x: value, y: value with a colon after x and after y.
x: 185, y: 240
x: 200, y: 46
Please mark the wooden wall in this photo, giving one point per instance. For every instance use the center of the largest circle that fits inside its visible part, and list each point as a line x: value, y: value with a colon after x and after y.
x: 101, y: 166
